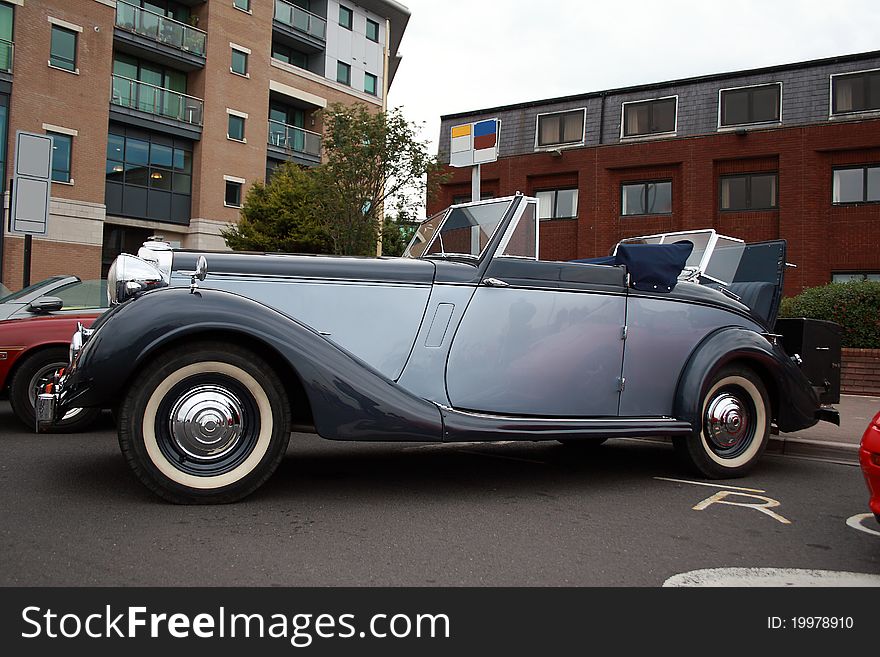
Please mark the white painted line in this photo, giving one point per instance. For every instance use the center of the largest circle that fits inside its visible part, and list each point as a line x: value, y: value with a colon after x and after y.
x: 764, y: 507
x: 856, y: 523
x: 771, y: 577
x: 703, y: 483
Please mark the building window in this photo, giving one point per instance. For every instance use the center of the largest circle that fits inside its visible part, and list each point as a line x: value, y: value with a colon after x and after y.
x: 854, y: 276
x: 856, y: 185
x: 649, y: 117
x: 61, y: 156
x: 373, y: 30
x: 557, y: 204
x: 62, y: 52
x: 561, y: 128
x: 371, y: 83
x: 244, y: 5
x: 235, y: 127
x: 855, y: 92
x: 239, y: 62
x: 754, y: 191
x: 148, y: 176
x: 467, y: 198
x: 343, y: 73
x: 233, y: 194
x: 346, y: 17
x: 289, y: 55
x: 745, y: 105
x: 654, y: 197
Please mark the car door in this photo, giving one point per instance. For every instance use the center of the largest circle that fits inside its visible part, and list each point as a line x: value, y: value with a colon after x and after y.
x: 541, y: 339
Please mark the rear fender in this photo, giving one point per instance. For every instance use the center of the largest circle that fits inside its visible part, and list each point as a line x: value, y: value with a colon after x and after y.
x: 795, y: 402
x: 349, y: 400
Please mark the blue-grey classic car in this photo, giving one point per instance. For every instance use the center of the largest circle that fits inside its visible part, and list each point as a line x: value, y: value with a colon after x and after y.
x: 209, y: 359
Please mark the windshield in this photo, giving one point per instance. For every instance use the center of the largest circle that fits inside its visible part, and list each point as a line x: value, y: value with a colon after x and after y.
x: 83, y: 294
x: 464, y: 230
x: 715, y: 257
x: 31, y: 288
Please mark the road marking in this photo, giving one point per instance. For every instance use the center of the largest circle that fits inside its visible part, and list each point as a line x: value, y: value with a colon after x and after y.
x: 856, y: 523
x: 768, y: 503
x: 703, y: 483
x: 771, y: 577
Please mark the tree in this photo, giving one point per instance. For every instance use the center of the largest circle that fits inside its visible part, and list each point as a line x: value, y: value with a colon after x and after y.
x: 281, y: 215
x: 397, y: 233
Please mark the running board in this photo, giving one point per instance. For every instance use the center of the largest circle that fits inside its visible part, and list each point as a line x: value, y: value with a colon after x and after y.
x: 470, y: 426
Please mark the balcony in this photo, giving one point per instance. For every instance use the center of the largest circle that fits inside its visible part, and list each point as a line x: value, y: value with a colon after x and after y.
x: 143, y: 32
x: 146, y: 105
x: 293, y: 143
x: 300, y: 27
x: 6, y: 51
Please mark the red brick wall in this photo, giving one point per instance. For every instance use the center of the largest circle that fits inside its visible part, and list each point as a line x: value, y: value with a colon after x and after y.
x: 821, y: 238
x: 860, y: 372
x: 49, y: 259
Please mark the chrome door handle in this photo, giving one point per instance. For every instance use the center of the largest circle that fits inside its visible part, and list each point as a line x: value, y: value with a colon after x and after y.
x: 495, y: 282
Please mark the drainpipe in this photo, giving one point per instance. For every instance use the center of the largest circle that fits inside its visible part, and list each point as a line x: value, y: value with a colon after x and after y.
x: 386, y: 67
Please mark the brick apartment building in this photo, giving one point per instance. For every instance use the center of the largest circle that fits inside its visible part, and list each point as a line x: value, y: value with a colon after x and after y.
x: 790, y: 151
x: 165, y: 111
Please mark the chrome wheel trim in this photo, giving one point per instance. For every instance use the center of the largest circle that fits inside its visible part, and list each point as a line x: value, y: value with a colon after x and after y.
x: 726, y: 422
x: 206, y: 422
x: 748, y: 394
x: 211, y: 482
x: 40, y: 378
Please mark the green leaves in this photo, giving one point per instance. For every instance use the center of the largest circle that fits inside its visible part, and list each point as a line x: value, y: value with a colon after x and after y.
x: 854, y: 305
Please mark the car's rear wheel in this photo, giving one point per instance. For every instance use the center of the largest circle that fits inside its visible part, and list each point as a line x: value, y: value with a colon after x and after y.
x: 205, y: 424
x: 734, y: 426
x: 34, y: 372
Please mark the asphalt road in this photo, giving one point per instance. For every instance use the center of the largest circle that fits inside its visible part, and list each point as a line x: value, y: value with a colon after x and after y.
x: 386, y: 514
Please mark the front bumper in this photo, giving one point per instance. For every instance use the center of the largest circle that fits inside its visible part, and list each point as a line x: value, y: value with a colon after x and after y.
x: 45, y: 412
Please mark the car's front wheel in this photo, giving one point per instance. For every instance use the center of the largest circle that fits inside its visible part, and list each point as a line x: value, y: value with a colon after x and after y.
x: 734, y: 426
x: 34, y: 372
x: 206, y: 423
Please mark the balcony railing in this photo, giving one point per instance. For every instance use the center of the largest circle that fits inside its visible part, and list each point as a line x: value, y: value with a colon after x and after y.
x: 160, y: 28
x: 300, y: 19
x: 156, y: 100
x: 291, y: 138
x: 6, y: 50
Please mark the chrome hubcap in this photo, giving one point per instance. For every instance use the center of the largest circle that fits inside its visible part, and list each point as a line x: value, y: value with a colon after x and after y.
x: 726, y: 422
x: 206, y: 422
x: 39, y: 381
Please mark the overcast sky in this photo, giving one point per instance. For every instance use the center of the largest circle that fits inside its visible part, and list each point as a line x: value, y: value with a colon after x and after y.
x: 461, y: 55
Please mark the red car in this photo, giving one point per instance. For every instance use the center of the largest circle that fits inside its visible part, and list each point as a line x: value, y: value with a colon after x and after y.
x: 31, y: 350
x: 869, y: 455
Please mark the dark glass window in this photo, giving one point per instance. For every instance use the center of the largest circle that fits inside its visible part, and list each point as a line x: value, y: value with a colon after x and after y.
x: 561, y: 128
x: 289, y: 55
x: 650, y: 117
x: 343, y: 73
x: 750, y: 105
x: 654, y: 197
x: 346, y: 17
x: 61, y: 156
x: 753, y: 191
x: 856, y: 185
x: 235, y: 129
x: 371, y: 82
x: 557, y: 203
x: 233, y: 194
x: 62, y: 53
x: 239, y: 62
x: 855, y: 92
x: 373, y: 30
x: 850, y: 276
x: 244, y: 5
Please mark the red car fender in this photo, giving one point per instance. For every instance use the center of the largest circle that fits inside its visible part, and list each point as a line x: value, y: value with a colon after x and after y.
x: 869, y: 457
x: 20, y: 337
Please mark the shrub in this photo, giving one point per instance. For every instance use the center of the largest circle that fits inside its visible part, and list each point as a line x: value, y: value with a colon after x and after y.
x: 854, y: 305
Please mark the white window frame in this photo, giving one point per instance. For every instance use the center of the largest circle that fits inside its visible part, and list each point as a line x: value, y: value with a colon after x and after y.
x: 653, y: 135
x: 555, y: 191
x: 241, y: 182
x: 244, y: 51
x: 567, y: 144
x: 734, y: 126
x: 846, y: 115
x: 241, y: 115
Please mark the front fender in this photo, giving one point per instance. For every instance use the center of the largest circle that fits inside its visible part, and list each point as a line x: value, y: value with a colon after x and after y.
x: 796, y: 403
x: 349, y: 399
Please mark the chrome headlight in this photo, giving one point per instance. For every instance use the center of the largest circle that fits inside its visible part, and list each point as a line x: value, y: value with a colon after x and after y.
x: 129, y: 276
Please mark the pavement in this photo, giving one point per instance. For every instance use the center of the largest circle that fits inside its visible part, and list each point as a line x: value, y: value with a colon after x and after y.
x: 827, y: 441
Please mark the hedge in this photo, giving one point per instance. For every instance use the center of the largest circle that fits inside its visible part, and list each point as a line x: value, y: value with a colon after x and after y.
x: 854, y: 305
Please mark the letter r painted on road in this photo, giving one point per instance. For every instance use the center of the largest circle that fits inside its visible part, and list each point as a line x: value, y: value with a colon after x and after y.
x: 766, y: 505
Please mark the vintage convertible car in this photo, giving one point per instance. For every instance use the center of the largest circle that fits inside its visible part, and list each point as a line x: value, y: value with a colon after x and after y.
x: 209, y: 359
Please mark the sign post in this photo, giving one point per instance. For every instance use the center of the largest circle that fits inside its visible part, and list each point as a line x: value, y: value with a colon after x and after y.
x: 473, y: 144
x: 30, y: 190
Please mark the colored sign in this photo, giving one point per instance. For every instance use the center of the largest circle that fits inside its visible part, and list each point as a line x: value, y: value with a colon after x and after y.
x: 474, y: 143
